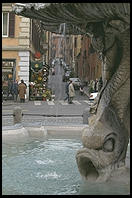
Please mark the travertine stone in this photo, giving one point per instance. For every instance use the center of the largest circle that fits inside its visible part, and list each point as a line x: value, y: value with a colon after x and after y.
x: 17, y: 115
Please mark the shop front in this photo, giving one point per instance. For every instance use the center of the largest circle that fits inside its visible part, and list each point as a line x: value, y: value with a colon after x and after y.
x: 38, y: 81
x: 8, y: 76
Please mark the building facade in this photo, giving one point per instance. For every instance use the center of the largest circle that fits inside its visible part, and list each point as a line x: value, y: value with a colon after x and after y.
x: 15, y: 47
x: 60, y: 47
x: 21, y: 39
x: 77, y: 51
x: 87, y: 63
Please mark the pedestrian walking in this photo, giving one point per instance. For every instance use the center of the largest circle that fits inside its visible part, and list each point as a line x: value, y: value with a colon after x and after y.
x: 96, y: 85
x: 81, y: 90
x: 10, y: 91
x: 22, y: 91
x: 15, y: 90
x: 100, y: 85
x: 91, y: 86
x: 71, y: 92
x: 67, y: 91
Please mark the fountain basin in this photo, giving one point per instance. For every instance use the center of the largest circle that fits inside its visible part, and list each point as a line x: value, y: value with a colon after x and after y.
x: 41, y: 160
x: 18, y: 133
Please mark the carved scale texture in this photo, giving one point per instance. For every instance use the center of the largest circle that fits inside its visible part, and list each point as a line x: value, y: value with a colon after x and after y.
x: 117, y: 92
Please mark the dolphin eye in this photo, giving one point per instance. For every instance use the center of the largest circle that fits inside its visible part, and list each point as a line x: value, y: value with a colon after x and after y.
x: 108, y: 145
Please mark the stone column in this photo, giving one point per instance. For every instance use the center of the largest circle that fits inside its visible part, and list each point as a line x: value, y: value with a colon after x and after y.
x: 17, y: 115
x: 86, y: 115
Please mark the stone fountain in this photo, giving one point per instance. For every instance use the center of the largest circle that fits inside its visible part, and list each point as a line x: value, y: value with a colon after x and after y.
x: 106, y: 138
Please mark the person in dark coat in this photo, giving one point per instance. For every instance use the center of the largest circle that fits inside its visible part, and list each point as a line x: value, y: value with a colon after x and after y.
x: 67, y: 91
x: 10, y: 92
x: 96, y: 85
x: 100, y: 83
x: 22, y: 91
x: 81, y: 90
x: 15, y: 90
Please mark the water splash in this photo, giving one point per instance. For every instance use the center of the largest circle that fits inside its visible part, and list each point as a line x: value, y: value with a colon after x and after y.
x: 46, y: 161
x: 58, y: 69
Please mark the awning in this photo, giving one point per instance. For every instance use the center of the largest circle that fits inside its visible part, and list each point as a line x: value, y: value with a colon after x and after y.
x: 77, y: 16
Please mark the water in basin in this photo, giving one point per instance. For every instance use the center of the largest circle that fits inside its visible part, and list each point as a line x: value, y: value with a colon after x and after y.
x: 48, y: 167
x: 41, y: 168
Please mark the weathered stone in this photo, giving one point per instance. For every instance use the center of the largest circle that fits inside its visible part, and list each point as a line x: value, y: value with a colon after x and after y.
x: 86, y: 114
x: 17, y: 115
x: 106, y: 139
x: 18, y: 134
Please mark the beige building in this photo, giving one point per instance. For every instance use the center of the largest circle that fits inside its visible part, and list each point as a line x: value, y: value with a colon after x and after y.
x: 15, y: 47
x: 20, y: 40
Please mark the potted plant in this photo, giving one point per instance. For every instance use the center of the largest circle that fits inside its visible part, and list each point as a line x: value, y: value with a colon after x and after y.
x: 44, y: 96
x: 48, y: 94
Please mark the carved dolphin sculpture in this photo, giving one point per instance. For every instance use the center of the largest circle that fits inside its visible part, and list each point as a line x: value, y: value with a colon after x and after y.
x: 105, y: 141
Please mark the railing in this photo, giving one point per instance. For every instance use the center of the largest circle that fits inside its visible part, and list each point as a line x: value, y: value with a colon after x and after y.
x: 45, y: 115
x: 18, y: 114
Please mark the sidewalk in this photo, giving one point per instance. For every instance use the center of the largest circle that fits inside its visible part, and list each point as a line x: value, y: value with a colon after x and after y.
x: 11, y: 102
x: 77, y: 97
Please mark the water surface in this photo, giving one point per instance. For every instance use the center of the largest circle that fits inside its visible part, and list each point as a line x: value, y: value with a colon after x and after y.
x: 48, y: 167
x: 41, y: 168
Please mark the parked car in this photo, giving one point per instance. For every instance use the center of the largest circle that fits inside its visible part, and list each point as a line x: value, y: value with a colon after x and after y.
x: 76, y: 82
x: 66, y: 68
x: 93, y: 95
x: 66, y: 76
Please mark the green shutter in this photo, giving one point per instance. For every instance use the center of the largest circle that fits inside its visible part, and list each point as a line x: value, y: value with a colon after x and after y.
x: 11, y: 24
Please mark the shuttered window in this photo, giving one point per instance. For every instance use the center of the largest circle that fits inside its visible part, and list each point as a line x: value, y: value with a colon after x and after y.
x: 75, y: 43
x: 5, y: 24
x: 11, y: 24
x: 8, y: 24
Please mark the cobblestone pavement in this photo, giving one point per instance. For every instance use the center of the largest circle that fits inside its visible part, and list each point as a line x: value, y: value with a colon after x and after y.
x: 58, y: 112
x: 39, y: 120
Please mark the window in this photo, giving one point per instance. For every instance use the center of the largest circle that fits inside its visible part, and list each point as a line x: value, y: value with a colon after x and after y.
x: 8, y: 24
x: 5, y: 24
x: 75, y: 44
x: 11, y: 24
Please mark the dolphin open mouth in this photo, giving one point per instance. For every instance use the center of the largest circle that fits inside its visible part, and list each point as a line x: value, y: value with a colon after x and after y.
x: 88, y: 170
x: 94, y: 165
x: 87, y: 164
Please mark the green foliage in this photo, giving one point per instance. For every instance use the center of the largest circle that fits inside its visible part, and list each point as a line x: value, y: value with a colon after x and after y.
x: 47, y: 94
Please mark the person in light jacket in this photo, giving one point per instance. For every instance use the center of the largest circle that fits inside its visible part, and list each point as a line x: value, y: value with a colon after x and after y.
x: 22, y: 91
x: 71, y: 92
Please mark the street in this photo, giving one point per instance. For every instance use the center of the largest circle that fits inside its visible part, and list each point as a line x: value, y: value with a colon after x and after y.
x: 54, y: 112
x: 56, y: 84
